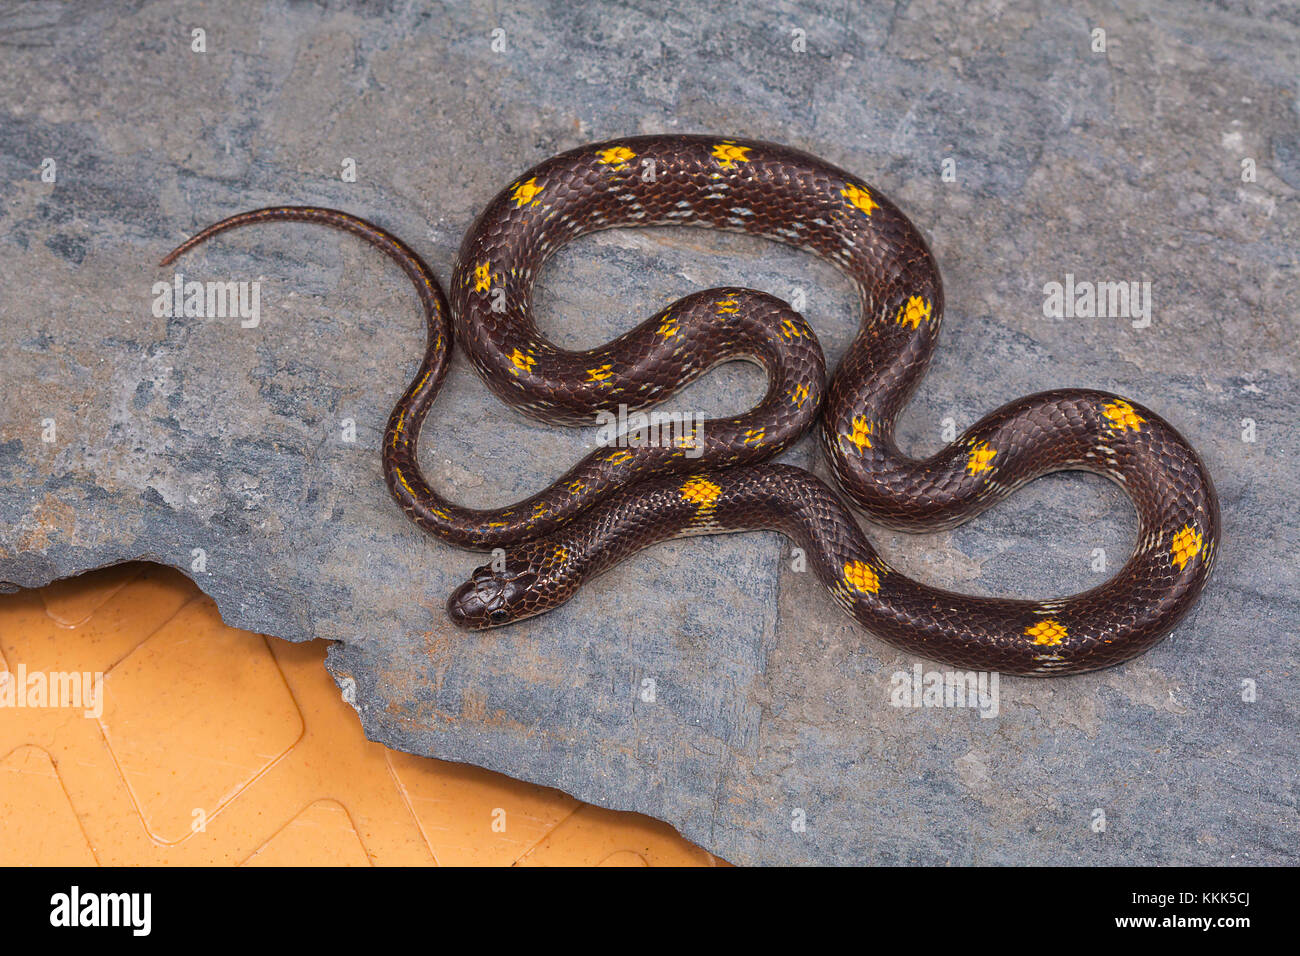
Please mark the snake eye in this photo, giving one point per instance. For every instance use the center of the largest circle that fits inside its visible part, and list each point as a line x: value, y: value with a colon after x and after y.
x: 498, y: 615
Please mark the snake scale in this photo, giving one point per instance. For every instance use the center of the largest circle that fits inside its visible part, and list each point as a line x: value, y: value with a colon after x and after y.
x: 713, y: 478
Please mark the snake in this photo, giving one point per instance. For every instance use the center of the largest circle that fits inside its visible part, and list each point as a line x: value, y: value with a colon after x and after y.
x: 716, y: 476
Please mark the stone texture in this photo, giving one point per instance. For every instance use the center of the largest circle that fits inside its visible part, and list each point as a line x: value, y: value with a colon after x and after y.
x: 770, y: 707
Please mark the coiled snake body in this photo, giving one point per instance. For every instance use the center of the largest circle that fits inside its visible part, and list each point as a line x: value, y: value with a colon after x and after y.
x: 710, y: 479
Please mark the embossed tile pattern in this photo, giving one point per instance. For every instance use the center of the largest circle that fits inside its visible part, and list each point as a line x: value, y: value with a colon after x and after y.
x: 178, y: 740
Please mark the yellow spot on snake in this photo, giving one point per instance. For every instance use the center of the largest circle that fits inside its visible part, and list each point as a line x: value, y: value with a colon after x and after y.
x: 619, y: 458
x: 440, y: 513
x: 560, y: 555
x: 701, y: 491
x: 496, y: 524
x: 861, y: 434
x: 521, y: 361
x: 483, y: 277
x: 728, y: 154
x: 576, y: 486
x: 860, y: 197
x: 1122, y: 417
x: 754, y: 435
x: 790, y: 329
x: 525, y: 193
x: 402, y: 479
x: 615, y: 155
x: 917, y: 308
x: 669, y: 328
x: 980, y: 456
x: 799, y: 395
x: 600, y: 373
x: 861, y: 577
x: 727, y: 306
x: 1048, y: 633
x: 397, y: 429
x: 1186, y: 545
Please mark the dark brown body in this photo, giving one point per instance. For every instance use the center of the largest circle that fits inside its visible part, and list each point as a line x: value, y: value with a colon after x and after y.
x: 619, y: 500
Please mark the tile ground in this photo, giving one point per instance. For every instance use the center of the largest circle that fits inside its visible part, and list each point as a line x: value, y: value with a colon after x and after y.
x: 220, y: 746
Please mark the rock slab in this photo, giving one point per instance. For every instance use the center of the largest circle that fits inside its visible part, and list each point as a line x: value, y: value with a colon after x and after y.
x: 708, y: 682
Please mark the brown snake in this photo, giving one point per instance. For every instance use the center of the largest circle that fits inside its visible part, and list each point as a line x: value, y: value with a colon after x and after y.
x: 709, y: 479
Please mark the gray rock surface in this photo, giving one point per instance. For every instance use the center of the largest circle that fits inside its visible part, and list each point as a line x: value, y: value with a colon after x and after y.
x: 770, y: 736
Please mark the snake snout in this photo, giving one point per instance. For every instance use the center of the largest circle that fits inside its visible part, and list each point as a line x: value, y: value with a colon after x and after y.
x: 491, y: 597
x: 479, y: 601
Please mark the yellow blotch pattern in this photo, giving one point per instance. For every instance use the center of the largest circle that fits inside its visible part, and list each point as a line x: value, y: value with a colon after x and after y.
x: 1047, y: 633
x: 600, y: 373
x: 860, y: 197
x: 1185, y: 546
x: 483, y: 277
x: 861, y: 434
x: 728, y: 154
x: 526, y: 193
x: 980, y: 456
x: 916, y: 309
x: 1122, y: 417
x: 861, y: 577
x: 701, y: 491
x: 522, y: 361
x: 615, y: 155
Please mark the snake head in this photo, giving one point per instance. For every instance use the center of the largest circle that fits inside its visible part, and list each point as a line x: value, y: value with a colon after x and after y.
x: 492, y: 597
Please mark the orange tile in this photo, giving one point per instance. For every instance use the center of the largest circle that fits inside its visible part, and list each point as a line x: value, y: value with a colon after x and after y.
x: 127, y: 615
x: 471, y: 817
x: 38, y: 826
x: 322, y: 835
x: 596, y: 837
x: 217, y: 746
x: 192, y: 716
x: 72, y: 601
